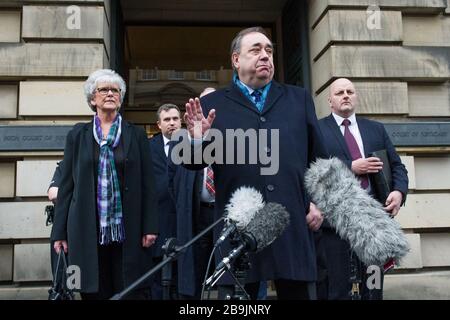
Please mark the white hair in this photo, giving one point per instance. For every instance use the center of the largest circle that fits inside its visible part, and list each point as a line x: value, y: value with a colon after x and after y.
x: 106, y: 76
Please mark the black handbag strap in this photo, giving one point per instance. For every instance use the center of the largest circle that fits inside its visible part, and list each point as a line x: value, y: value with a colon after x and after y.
x: 61, y: 257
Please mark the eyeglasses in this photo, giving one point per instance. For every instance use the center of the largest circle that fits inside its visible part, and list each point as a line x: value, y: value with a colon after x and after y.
x: 105, y: 91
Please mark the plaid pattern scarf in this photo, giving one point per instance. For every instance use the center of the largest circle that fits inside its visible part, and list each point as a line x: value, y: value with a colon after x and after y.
x: 109, y: 203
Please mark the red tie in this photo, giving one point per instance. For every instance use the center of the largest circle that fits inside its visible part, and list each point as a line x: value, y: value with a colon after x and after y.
x: 210, y: 181
x: 352, y: 146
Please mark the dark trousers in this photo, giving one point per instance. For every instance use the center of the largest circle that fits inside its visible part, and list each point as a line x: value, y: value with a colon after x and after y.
x: 203, y: 247
x: 111, y: 275
x: 334, y: 264
x: 286, y: 290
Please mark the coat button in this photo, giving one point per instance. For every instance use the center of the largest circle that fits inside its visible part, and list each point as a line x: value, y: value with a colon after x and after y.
x: 262, y: 119
x: 126, y: 188
x: 270, y: 187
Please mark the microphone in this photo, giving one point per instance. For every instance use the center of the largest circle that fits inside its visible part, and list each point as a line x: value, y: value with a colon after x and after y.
x: 357, y: 217
x: 260, y: 232
x: 244, y: 203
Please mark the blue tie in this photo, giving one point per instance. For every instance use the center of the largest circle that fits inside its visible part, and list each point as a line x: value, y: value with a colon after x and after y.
x: 257, y: 97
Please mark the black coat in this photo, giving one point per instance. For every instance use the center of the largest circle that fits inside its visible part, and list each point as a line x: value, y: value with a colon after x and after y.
x: 186, y: 186
x: 56, y: 176
x: 289, y: 109
x: 166, y: 206
x: 75, y: 217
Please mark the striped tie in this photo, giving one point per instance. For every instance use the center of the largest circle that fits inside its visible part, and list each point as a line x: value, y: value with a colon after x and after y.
x: 210, y: 181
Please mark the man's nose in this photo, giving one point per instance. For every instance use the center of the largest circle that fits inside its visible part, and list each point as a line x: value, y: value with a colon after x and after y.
x: 264, y: 55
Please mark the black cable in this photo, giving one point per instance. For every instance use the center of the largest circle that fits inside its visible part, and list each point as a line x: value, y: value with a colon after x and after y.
x: 206, y: 273
x: 220, y: 257
x: 239, y: 284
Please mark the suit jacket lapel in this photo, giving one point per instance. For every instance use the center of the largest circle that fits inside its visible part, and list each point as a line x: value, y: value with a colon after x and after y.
x: 235, y: 94
x: 88, y: 142
x: 364, y: 132
x: 160, y: 148
x: 334, y: 128
x: 274, y: 94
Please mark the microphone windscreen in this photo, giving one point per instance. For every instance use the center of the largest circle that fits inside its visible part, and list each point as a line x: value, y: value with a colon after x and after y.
x: 243, y: 205
x: 357, y: 217
x: 268, y: 224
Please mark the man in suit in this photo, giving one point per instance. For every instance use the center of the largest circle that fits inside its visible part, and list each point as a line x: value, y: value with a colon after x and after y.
x: 169, y: 121
x: 194, y: 194
x: 352, y: 139
x: 254, y: 101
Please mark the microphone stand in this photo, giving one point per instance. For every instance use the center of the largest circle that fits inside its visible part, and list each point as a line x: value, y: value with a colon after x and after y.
x: 175, y: 251
x: 241, y: 266
x: 239, y: 258
x: 166, y: 274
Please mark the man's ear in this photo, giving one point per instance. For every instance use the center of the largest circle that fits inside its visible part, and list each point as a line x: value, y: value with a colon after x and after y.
x: 235, y: 60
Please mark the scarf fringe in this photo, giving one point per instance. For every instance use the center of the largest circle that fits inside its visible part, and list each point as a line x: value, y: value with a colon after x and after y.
x: 112, y: 233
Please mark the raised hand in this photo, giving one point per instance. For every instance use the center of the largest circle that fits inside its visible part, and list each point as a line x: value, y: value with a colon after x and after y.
x: 196, y: 122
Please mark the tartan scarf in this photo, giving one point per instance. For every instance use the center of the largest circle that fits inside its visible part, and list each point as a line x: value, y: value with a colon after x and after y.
x: 109, y: 203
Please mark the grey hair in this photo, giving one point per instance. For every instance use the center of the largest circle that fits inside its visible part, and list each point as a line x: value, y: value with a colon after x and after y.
x: 166, y: 107
x: 103, y: 75
x: 236, y: 43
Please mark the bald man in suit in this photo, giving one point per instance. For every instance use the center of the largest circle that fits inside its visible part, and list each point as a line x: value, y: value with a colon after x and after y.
x: 352, y: 139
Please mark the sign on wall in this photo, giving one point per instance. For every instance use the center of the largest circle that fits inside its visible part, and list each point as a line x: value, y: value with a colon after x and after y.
x: 419, y: 134
x: 31, y: 138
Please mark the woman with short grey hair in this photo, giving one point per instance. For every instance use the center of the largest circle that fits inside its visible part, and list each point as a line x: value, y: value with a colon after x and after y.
x: 105, y: 76
x: 106, y: 216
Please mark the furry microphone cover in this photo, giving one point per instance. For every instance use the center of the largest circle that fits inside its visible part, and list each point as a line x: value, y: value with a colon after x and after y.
x: 356, y: 216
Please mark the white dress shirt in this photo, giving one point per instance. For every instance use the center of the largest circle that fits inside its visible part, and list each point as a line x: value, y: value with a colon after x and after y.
x: 353, y: 127
x: 166, y: 145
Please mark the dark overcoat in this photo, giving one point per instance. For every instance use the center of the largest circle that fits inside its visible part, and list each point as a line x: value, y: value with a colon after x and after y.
x: 184, y: 189
x: 166, y: 206
x: 76, y: 218
x: 290, y: 110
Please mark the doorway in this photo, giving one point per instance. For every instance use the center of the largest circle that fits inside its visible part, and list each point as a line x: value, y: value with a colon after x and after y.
x: 173, y: 49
